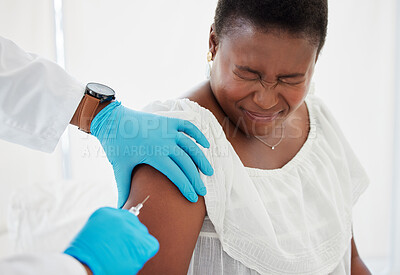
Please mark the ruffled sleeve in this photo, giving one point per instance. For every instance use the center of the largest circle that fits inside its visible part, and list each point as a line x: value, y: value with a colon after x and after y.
x: 359, y: 177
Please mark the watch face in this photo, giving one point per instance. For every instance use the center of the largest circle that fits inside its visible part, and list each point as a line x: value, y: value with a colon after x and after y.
x: 100, y: 89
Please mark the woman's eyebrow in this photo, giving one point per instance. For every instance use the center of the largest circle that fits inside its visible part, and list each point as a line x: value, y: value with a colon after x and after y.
x: 293, y: 75
x: 248, y: 69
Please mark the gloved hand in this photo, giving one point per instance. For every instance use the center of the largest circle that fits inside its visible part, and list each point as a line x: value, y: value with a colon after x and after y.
x: 113, y: 241
x: 130, y: 138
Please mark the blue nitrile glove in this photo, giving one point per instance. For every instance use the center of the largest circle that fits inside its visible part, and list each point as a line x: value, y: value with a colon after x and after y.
x: 113, y: 241
x: 130, y: 138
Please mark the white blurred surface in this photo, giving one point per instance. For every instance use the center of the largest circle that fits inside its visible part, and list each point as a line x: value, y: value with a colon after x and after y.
x: 47, y: 215
x: 355, y: 77
x: 30, y: 25
x: 149, y: 50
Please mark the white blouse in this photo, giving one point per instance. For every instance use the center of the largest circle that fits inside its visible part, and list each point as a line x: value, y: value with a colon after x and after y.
x: 293, y: 220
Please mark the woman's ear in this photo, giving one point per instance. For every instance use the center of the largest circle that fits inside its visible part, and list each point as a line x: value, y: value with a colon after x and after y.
x: 213, y: 41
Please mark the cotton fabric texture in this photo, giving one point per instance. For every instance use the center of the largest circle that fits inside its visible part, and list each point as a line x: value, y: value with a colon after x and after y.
x: 34, y: 113
x: 293, y: 220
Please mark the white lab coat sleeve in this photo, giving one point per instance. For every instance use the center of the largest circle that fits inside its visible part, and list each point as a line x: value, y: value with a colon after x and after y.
x: 45, y: 264
x: 37, y: 98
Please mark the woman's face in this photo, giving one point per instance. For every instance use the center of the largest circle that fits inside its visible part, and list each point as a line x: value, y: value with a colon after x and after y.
x: 260, y: 79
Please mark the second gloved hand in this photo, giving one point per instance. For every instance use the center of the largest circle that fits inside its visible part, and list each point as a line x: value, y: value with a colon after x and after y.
x: 130, y: 138
x: 113, y: 241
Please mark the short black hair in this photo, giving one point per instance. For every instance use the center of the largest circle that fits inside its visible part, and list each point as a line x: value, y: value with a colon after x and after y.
x: 306, y: 18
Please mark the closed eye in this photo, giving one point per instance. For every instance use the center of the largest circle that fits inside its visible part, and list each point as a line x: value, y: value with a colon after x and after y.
x: 247, y: 75
x: 290, y: 81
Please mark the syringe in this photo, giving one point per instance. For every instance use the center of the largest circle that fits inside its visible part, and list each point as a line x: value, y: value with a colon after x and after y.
x: 135, y: 210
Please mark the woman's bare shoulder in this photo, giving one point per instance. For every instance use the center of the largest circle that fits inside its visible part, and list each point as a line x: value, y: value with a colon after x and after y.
x: 169, y: 217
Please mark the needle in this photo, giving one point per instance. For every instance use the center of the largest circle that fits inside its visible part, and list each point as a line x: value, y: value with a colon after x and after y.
x: 145, y: 199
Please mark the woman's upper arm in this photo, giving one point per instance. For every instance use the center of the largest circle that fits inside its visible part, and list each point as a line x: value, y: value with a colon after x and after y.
x: 357, y: 265
x: 169, y: 217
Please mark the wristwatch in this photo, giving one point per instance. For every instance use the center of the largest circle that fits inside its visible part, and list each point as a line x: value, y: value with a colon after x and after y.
x: 96, y: 95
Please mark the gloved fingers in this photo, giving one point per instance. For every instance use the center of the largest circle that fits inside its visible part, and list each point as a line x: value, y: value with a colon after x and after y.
x: 123, y: 178
x: 195, y: 153
x: 104, y: 212
x: 170, y: 169
x: 149, y: 245
x: 192, y: 130
x: 133, y: 221
x: 189, y: 169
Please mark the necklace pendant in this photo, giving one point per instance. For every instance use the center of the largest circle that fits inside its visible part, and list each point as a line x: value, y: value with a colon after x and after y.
x: 270, y: 146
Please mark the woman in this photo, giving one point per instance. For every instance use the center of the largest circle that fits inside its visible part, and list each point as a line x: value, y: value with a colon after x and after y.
x: 285, y: 177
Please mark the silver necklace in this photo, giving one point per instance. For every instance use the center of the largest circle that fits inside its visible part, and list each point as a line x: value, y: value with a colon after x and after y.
x: 271, y: 146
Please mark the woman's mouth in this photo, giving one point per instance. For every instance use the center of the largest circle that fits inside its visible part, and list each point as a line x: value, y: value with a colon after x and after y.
x: 259, y: 117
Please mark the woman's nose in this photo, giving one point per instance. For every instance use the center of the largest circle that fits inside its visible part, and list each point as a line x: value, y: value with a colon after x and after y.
x: 266, y: 96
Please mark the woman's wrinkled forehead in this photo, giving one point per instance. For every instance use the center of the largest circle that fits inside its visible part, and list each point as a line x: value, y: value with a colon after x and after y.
x: 241, y: 28
x: 248, y: 37
x: 279, y: 51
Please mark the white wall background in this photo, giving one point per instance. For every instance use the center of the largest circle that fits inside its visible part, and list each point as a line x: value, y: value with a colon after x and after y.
x: 149, y: 50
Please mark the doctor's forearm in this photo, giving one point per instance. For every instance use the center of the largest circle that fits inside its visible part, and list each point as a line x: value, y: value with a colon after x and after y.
x: 39, y: 98
x: 75, y: 118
